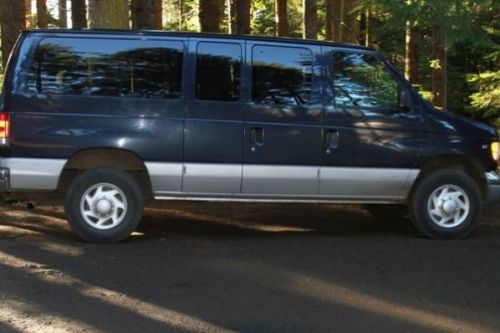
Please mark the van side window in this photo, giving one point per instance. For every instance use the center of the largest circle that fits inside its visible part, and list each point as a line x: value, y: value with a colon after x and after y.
x: 362, y: 80
x: 104, y: 67
x: 281, y: 75
x: 218, y: 71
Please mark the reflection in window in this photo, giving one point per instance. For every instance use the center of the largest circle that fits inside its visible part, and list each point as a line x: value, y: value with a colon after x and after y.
x: 281, y: 75
x: 361, y: 80
x: 101, y: 67
x: 218, y: 71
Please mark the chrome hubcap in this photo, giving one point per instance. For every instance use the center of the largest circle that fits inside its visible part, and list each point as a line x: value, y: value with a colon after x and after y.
x: 448, y: 206
x: 103, y: 206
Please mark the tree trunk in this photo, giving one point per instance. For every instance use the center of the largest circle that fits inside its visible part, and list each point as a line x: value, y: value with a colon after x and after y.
x: 12, y: 21
x: 337, y: 19
x: 182, y: 15
x: 108, y: 14
x: 412, y: 54
x: 330, y: 14
x: 158, y: 14
x: 29, y: 14
x: 310, y: 19
x: 351, y: 22
x: 41, y: 14
x: 368, y: 26
x: 79, y: 14
x: 63, y: 14
x: 242, y: 17
x: 210, y: 15
x: 439, y: 63
x: 143, y: 14
x: 281, y: 18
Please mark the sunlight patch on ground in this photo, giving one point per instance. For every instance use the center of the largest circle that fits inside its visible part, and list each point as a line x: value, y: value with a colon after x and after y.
x: 171, y: 318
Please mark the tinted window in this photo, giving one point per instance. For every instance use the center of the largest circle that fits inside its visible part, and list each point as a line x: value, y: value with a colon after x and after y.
x: 103, y: 67
x: 281, y: 75
x: 361, y: 80
x: 218, y: 71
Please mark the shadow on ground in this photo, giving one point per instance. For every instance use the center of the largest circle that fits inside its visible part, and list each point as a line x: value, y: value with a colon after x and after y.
x: 201, y: 267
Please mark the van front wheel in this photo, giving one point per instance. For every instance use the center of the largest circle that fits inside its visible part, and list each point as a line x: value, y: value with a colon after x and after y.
x: 446, y: 204
x: 103, y: 205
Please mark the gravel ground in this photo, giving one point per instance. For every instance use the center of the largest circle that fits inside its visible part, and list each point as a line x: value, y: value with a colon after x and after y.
x: 206, y: 267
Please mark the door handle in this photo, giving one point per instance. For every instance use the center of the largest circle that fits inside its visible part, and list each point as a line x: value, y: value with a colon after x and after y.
x: 256, y: 136
x: 332, y: 139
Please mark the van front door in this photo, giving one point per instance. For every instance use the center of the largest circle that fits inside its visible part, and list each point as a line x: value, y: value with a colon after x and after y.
x: 282, y: 121
x: 371, y: 130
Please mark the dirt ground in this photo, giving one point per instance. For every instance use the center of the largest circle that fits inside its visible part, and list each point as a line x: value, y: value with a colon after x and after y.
x: 206, y: 267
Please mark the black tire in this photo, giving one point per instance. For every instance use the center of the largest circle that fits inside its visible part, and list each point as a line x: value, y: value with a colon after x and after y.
x: 387, y: 212
x: 130, y: 217
x: 421, y: 195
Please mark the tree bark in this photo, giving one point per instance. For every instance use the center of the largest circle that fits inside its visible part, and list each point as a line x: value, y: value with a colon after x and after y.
x: 351, y: 22
x: 28, y: 14
x: 158, y: 14
x: 242, y: 17
x: 337, y: 19
x: 439, y: 69
x: 412, y: 53
x: 310, y: 19
x: 12, y: 21
x: 143, y: 14
x: 79, y: 14
x: 281, y: 18
x: 63, y: 14
x: 41, y: 14
x: 182, y: 15
x: 330, y: 14
x: 108, y: 14
x: 210, y: 15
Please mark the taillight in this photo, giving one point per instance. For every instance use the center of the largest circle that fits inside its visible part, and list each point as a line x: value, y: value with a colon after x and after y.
x: 4, y: 125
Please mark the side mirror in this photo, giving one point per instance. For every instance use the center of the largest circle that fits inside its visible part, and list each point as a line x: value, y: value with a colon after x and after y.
x: 404, y: 99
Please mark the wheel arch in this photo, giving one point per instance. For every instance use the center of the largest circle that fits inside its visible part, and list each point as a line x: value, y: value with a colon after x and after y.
x: 453, y: 161
x: 116, y: 158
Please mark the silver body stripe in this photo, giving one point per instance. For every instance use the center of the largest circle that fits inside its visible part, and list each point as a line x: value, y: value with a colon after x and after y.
x: 165, y: 176
x: 33, y: 173
x: 237, y: 182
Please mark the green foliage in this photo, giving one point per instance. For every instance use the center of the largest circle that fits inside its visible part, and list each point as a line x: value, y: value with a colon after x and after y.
x: 485, y: 103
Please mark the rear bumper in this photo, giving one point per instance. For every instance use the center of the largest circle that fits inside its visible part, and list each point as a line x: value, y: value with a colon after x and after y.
x: 493, y: 194
x: 4, y: 179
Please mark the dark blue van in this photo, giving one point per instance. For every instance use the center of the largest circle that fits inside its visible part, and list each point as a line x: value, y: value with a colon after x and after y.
x: 115, y: 117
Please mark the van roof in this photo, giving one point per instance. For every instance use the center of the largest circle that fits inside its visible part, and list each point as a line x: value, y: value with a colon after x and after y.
x: 195, y: 34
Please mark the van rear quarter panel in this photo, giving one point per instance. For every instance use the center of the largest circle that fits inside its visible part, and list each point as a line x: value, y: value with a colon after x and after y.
x: 58, y: 126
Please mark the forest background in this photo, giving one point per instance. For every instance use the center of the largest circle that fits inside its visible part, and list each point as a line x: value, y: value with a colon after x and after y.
x: 448, y: 49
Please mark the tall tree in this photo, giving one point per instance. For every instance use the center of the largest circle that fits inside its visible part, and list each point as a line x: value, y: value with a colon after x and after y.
x: 210, y: 15
x: 439, y: 67
x: 12, y: 20
x: 79, y: 14
x: 281, y: 18
x: 412, y: 52
x: 158, y: 14
x: 337, y: 19
x: 63, y: 14
x: 41, y: 14
x: 350, y: 23
x: 29, y: 14
x: 182, y: 15
x: 242, y: 19
x: 310, y: 19
x: 231, y: 17
x: 112, y: 14
x: 143, y: 14
x: 329, y: 24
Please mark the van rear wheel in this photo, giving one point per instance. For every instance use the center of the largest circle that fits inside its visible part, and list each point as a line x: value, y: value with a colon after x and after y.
x: 446, y: 204
x: 103, y: 205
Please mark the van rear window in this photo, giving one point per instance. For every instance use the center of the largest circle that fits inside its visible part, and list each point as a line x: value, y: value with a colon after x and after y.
x: 105, y: 67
